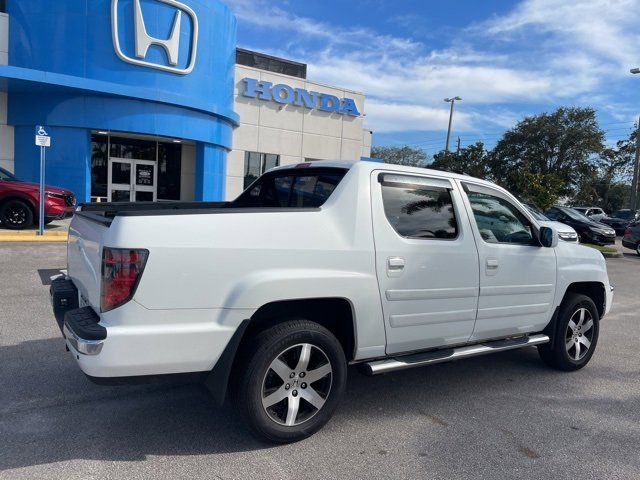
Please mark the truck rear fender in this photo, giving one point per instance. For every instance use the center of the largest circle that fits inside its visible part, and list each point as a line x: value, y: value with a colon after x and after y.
x: 268, y: 290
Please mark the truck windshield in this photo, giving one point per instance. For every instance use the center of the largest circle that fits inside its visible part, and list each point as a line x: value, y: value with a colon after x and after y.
x: 291, y: 188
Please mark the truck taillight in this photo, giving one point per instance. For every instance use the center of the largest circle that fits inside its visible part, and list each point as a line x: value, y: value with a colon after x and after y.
x: 121, y: 272
x: 627, y: 231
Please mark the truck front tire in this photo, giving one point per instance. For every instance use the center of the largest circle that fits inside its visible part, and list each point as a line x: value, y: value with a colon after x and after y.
x: 291, y: 380
x: 575, y: 335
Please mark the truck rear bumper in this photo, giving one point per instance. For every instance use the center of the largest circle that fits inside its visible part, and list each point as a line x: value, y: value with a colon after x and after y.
x: 79, y: 326
x: 132, y: 340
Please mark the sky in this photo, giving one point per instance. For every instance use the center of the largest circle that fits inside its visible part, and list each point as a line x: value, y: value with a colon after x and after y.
x: 506, y: 59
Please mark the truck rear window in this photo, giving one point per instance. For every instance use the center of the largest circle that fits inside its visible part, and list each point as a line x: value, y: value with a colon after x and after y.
x: 303, y: 188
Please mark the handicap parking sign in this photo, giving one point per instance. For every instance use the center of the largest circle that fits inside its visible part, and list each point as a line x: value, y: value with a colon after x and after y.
x: 42, y: 137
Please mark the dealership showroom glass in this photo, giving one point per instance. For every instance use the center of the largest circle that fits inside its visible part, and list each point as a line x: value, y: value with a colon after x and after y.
x: 150, y: 100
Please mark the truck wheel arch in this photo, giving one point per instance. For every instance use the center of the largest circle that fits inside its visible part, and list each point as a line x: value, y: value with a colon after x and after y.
x: 335, y: 314
x: 594, y: 290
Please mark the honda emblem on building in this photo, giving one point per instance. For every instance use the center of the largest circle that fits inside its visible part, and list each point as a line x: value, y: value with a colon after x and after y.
x: 143, y: 41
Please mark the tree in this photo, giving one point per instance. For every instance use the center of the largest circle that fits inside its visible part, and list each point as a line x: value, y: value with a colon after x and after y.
x: 541, y: 189
x: 559, y: 146
x: 608, y: 184
x: 472, y: 160
x: 410, y: 156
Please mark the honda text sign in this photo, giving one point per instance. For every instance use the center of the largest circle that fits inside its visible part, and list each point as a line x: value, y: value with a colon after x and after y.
x: 160, y: 34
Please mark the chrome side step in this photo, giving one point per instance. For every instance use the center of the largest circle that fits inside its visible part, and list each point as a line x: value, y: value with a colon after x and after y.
x: 448, y: 354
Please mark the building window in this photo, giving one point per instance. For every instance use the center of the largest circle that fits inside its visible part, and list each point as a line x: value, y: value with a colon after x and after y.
x: 169, y: 171
x: 99, y: 166
x: 130, y: 162
x: 270, y: 63
x: 132, y: 148
x: 255, y: 164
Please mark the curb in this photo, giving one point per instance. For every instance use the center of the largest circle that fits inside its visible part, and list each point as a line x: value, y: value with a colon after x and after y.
x: 32, y: 236
x: 612, y: 255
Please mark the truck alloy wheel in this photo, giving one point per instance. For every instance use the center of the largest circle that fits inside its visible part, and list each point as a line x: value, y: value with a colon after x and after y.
x: 291, y: 382
x: 293, y: 395
x: 579, y: 334
x: 575, y: 334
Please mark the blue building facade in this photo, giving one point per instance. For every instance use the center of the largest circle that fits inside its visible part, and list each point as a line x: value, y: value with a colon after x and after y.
x: 114, y: 80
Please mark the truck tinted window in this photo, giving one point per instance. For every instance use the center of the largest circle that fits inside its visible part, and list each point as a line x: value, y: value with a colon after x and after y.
x: 499, y: 221
x: 420, y: 211
x: 308, y: 188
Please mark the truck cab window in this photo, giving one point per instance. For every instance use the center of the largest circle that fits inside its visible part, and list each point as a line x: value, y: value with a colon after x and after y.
x: 499, y: 221
x: 420, y: 211
x: 310, y: 188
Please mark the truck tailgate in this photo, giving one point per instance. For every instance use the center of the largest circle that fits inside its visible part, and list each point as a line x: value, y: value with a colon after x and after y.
x: 84, y: 256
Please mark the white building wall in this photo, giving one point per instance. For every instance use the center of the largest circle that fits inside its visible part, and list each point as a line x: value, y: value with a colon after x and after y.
x: 295, y: 133
x: 188, y: 172
x: 6, y: 131
x: 366, y: 142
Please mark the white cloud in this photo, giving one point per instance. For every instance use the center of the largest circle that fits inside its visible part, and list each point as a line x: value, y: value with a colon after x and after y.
x: 399, y: 117
x: 541, y: 52
x: 605, y: 28
x: 263, y: 14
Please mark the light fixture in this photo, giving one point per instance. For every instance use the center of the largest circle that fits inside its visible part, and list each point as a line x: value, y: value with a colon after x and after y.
x: 177, y: 141
x: 102, y: 132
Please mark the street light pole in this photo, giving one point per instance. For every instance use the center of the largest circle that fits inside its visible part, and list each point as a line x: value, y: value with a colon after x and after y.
x: 452, y: 101
x: 636, y: 166
x: 633, y: 201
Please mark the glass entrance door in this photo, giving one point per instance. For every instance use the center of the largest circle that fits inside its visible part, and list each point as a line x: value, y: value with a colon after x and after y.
x: 119, y: 180
x: 132, y: 180
x: 144, y: 185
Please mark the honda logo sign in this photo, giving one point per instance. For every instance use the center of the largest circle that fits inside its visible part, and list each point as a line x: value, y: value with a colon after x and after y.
x: 143, y: 41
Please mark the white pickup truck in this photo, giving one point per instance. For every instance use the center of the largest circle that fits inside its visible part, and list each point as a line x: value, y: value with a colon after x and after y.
x: 315, y: 267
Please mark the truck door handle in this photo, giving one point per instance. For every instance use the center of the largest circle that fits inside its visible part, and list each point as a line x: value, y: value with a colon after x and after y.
x: 395, y: 264
x: 492, y: 264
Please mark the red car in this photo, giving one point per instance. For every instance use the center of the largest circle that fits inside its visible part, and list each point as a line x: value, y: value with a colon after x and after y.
x: 19, y: 202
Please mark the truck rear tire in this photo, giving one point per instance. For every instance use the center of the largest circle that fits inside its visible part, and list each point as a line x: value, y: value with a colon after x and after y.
x: 291, y: 380
x: 575, y: 335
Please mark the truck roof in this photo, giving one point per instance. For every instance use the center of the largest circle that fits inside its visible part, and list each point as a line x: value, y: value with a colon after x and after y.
x: 370, y: 166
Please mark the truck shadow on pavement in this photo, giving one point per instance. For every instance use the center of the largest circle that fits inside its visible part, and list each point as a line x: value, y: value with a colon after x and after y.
x: 49, y: 412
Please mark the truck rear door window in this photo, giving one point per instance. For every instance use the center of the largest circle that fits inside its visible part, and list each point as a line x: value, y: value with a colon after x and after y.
x: 308, y: 188
x: 420, y: 211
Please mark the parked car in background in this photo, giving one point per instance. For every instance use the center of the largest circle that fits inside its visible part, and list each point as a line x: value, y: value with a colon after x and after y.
x: 594, y: 213
x: 621, y: 219
x: 20, y: 201
x: 565, y: 232
x: 589, y: 231
x: 631, y: 238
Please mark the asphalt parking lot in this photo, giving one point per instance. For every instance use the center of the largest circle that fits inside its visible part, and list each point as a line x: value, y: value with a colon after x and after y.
x: 500, y: 416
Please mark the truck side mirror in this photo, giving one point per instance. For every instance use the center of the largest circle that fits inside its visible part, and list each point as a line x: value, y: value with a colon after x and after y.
x: 548, y: 237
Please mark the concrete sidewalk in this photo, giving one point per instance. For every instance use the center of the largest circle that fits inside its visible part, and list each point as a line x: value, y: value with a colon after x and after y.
x: 56, y: 231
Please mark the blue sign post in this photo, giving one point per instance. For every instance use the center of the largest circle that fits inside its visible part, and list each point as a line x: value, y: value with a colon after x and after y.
x: 43, y: 140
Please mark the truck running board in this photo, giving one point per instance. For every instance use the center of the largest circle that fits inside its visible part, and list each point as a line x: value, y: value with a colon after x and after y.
x: 448, y: 354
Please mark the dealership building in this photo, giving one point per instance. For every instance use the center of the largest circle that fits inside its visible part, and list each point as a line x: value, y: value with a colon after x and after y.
x: 152, y: 100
